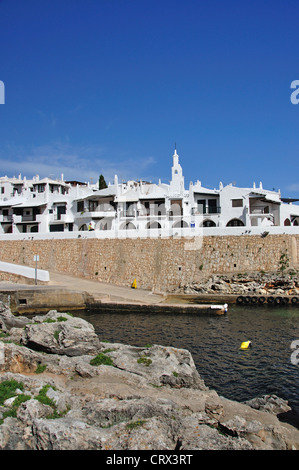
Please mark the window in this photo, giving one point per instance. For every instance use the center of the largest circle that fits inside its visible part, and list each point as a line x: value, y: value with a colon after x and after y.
x: 201, y: 206
x: 235, y: 223
x: 237, y: 202
x: 80, y: 206
x: 209, y: 223
x: 57, y: 228
x: 212, y: 206
x: 92, y: 206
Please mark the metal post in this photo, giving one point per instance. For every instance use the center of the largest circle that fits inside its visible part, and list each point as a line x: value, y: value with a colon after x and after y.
x: 36, y: 259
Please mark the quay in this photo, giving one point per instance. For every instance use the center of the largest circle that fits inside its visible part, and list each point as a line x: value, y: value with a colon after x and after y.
x: 70, y: 293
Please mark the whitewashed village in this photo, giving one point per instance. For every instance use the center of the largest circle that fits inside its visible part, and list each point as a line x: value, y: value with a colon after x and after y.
x: 48, y: 208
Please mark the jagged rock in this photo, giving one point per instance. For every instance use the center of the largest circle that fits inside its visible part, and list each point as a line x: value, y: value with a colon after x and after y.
x: 197, y: 436
x: 257, y: 283
x: 159, y: 365
x: 65, y: 434
x: 15, y: 437
x: 270, y: 403
x: 148, y: 398
x: 109, y: 412
x: 60, y: 334
x: 8, y: 321
x: 32, y: 409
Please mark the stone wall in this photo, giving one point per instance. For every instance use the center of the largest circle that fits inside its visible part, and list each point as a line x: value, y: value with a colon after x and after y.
x: 162, y: 264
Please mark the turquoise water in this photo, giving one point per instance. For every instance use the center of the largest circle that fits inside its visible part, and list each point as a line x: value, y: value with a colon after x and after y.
x: 214, y: 342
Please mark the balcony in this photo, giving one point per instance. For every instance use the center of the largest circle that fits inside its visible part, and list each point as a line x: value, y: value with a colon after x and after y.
x: 6, y: 218
x: 95, y: 214
x: 129, y: 213
x: 65, y: 218
x: 28, y: 218
x: 258, y: 210
x: 207, y: 210
x: 150, y: 213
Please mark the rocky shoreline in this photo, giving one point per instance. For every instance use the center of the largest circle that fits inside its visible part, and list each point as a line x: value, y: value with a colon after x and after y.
x: 62, y: 388
x: 284, y: 283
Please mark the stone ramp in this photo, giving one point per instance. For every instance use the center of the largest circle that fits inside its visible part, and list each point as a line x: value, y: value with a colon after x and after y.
x: 104, y: 292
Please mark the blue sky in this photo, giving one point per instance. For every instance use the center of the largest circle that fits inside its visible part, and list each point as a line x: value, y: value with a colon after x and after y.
x: 109, y: 86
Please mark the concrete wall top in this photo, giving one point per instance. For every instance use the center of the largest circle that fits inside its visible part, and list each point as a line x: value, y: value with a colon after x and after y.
x: 25, y: 271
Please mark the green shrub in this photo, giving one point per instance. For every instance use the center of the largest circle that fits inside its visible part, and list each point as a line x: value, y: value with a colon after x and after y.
x: 144, y: 360
x: 3, y: 335
x: 101, y: 359
x: 135, y: 424
x: 56, y: 335
x: 12, y: 412
x: 8, y: 389
x: 45, y: 400
x: 40, y: 368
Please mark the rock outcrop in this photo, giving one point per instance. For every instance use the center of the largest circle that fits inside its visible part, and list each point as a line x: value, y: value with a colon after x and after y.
x: 61, y: 388
x: 270, y: 283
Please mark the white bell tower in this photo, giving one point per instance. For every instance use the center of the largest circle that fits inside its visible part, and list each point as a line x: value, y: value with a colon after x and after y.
x: 177, y: 184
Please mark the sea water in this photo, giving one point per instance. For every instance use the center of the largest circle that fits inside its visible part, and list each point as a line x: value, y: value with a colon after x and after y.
x: 214, y: 342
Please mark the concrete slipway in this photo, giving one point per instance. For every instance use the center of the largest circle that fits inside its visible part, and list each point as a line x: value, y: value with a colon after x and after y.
x: 65, y: 293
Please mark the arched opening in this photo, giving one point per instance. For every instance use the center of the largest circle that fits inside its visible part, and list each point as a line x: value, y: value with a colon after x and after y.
x: 180, y: 224
x: 235, y: 223
x: 83, y: 228
x: 208, y: 223
x: 287, y: 222
x: 127, y: 226
x: 154, y: 224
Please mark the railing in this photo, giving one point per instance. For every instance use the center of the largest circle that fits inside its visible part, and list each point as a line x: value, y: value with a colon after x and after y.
x: 7, y: 218
x: 208, y: 210
x: 29, y: 218
x: 259, y: 210
x: 127, y: 213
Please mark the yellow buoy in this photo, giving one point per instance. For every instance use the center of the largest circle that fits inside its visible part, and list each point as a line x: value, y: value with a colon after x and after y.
x: 134, y: 285
x: 245, y: 345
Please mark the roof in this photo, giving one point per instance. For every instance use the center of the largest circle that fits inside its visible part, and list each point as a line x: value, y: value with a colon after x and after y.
x: 50, y: 181
x: 289, y: 199
x: 110, y: 191
x: 22, y: 202
x: 268, y: 196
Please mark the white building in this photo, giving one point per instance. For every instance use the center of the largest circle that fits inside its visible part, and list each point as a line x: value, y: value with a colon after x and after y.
x: 138, y: 209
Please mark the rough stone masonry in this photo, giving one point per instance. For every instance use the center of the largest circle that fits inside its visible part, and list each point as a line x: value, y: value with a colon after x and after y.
x: 161, y: 264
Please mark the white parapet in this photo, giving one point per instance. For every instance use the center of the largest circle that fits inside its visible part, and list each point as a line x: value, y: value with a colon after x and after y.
x: 25, y: 271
